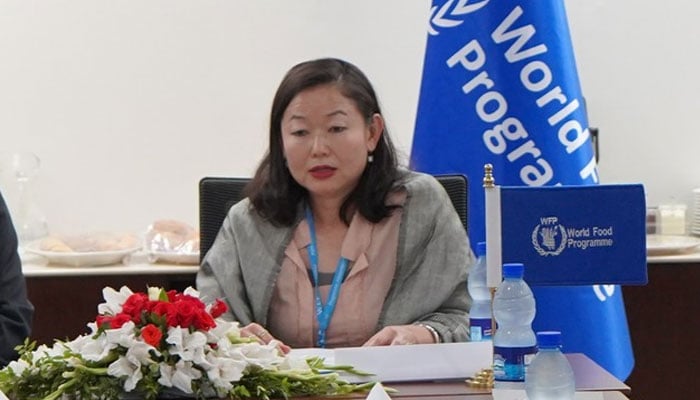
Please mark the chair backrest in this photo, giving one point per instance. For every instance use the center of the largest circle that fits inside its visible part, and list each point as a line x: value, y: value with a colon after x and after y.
x: 218, y: 194
x: 457, y: 187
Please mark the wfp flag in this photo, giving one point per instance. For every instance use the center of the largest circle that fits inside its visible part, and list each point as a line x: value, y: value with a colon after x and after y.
x: 500, y: 86
x: 564, y: 236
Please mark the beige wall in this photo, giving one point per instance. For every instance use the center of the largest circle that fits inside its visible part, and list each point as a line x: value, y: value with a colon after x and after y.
x: 129, y: 103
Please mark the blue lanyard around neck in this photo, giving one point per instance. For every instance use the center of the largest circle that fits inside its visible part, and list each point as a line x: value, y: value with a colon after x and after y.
x: 324, y: 313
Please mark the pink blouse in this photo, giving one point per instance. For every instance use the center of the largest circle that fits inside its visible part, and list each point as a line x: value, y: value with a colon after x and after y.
x: 371, y: 249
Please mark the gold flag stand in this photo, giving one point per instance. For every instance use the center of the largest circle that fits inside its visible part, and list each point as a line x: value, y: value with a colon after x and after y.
x: 484, y: 378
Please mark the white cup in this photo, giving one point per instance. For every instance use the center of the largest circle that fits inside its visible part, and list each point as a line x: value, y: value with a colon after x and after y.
x: 671, y: 219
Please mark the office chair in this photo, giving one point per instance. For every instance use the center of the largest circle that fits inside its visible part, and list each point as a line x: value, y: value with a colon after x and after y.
x: 218, y: 194
x: 457, y: 187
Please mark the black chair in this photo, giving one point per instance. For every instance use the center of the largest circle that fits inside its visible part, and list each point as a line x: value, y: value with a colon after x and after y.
x: 457, y: 187
x: 218, y: 194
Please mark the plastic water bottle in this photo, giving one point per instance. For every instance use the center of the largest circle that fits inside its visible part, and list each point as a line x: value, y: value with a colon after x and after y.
x: 514, y: 343
x: 549, y: 376
x: 480, y: 312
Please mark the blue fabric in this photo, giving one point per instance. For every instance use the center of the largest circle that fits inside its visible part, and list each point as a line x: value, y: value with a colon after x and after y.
x: 500, y: 86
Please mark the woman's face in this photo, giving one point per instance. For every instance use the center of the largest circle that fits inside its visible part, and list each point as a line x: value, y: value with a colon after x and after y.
x: 326, y: 140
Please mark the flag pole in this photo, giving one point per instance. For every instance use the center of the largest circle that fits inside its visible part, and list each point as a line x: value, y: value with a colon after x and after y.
x: 485, y: 377
x: 493, y: 236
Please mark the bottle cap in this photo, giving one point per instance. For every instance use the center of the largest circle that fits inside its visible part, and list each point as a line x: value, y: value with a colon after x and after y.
x: 513, y: 270
x: 481, y: 249
x: 549, y: 339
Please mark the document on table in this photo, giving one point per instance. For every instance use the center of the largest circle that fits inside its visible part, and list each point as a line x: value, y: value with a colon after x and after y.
x: 519, y: 394
x: 419, y: 362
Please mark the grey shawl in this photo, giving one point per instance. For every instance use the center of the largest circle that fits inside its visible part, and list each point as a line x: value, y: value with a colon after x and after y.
x: 429, y: 284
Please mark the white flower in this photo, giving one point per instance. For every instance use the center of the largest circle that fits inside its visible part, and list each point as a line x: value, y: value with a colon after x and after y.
x: 224, y: 371
x: 180, y: 376
x: 92, y: 349
x: 123, y: 336
x: 124, y: 367
x: 224, y: 329
x: 130, y: 364
x: 139, y: 353
x: 56, y: 350
x: 154, y: 293
x: 113, y: 300
x: 190, y: 291
x: 18, y: 366
x: 92, y: 326
x: 264, y: 356
x: 189, y: 346
x: 294, y: 363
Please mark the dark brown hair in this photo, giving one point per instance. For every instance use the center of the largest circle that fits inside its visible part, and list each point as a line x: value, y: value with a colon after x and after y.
x: 275, y: 195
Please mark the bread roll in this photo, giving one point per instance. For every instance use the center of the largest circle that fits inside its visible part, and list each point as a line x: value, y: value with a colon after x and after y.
x: 51, y: 243
x: 171, y: 235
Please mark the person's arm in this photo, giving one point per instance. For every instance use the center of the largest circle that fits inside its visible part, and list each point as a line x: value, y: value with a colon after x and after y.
x: 430, y: 285
x: 16, y: 311
x: 234, y: 270
x: 220, y: 275
x: 243, y: 264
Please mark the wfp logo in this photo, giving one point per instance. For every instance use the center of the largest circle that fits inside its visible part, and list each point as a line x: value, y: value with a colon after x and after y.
x: 549, y: 237
x: 450, y: 14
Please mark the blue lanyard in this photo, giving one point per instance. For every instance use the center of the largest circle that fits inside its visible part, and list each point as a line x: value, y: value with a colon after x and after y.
x: 324, y: 313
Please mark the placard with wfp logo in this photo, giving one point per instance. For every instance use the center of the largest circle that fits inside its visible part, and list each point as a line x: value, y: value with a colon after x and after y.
x: 575, y: 235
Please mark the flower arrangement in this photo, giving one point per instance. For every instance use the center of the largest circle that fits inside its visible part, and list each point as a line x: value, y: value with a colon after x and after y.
x: 155, y: 343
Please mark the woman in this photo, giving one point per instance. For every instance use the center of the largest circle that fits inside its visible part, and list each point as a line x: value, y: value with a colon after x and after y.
x: 335, y: 245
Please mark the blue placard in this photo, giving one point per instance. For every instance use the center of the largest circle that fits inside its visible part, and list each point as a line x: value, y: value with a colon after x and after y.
x: 576, y: 235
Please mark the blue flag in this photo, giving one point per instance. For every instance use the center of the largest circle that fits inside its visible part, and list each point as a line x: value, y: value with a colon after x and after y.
x: 500, y: 86
x: 564, y: 236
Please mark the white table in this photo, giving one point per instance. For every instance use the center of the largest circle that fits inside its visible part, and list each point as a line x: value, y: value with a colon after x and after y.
x: 689, y: 257
x: 37, y: 266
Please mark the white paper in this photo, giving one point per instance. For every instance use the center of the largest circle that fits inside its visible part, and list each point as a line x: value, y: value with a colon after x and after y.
x: 2, y: 396
x: 519, y: 394
x: 410, y: 362
x: 378, y: 393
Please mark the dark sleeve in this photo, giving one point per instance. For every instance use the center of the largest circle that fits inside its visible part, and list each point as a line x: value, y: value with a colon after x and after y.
x: 15, y: 309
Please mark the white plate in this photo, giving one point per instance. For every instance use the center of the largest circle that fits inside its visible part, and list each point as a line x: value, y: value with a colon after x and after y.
x: 174, y: 257
x: 668, y: 244
x: 83, y: 259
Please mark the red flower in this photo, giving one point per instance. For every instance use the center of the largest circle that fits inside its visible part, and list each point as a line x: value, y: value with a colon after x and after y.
x: 178, y: 309
x: 168, y: 310
x: 119, y: 320
x: 186, y: 311
x: 218, y: 308
x: 172, y: 295
x: 102, y: 319
x: 203, y: 321
x: 151, y: 335
x: 112, y: 322
x: 134, y: 305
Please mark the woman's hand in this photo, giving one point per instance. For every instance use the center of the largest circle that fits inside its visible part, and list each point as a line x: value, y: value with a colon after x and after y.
x: 401, y: 334
x: 261, y: 334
